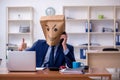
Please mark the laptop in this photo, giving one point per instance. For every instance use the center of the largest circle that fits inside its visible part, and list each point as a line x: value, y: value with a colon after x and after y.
x: 21, y: 61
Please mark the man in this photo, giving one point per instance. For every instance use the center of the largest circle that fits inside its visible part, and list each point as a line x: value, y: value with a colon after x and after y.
x: 56, y: 38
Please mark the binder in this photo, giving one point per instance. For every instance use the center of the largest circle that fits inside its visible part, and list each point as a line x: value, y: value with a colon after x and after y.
x: 117, y: 26
x: 90, y: 27
x: 82, y: 53
x: 117, y: 39
x: 86, y: 27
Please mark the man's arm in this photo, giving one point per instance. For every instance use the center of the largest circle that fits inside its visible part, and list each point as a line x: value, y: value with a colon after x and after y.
x: 68, y: 50
x: 34, y: 46
x: 69, y: 57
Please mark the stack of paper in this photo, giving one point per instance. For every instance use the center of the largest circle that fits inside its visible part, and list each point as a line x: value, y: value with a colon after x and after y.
x: 72, y: 71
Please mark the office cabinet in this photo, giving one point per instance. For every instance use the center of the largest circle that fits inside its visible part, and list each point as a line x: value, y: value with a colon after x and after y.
x: 92, y: 28
x: 19, y: 26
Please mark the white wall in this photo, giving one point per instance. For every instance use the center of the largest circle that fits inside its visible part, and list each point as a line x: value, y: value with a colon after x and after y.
x: 39, y: 10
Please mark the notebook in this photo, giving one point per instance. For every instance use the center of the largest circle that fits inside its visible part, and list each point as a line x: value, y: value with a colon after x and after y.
x: 21, y: 61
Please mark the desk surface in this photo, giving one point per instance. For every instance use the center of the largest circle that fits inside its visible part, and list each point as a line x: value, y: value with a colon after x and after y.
x: 52, y: 75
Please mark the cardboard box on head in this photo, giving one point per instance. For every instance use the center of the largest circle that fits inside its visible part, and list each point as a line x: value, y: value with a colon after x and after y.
x: 53, y: 27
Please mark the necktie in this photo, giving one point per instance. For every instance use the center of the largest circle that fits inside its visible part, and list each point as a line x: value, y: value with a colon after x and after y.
x: 51, y: 58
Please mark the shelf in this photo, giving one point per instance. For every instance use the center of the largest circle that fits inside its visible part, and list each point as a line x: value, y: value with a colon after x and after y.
x: 117, y: 32
x: 76, y: 19
x: 20, y: 20
x: 102, y: 33
x: 80, y: 17
x: 19, y: 26
x: 19, y: 34
x: 95, y: 46
x: 101, y: 19
x: 118, y: 12
x: 80, y: 12
x: 92, y: 24
x: 13, y: 46
x: 118, y: 46
x: 73, y: 33
x: 106, y: 11
x: 81, y: 46
x: 82, y: 60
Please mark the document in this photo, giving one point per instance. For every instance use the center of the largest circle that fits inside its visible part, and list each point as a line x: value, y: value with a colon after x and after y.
x: 72, y: 71
x: 40, y: 68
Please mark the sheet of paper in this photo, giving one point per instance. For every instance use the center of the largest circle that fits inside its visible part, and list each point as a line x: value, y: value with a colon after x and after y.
x: 72, y: 71
x: 40, y: 68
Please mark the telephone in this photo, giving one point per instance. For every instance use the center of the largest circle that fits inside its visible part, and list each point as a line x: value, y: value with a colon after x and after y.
x: 61, y: 40
x: 53, y: 68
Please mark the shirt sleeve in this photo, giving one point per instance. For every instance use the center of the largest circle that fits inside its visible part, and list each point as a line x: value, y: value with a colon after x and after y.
x: 66, y: 51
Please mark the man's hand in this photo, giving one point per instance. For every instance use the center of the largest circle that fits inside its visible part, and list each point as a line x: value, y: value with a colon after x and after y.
x: 23, y: 45
x: 64, y: 37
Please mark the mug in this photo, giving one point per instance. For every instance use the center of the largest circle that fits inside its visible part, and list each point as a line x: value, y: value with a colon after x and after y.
x: 77, y: 64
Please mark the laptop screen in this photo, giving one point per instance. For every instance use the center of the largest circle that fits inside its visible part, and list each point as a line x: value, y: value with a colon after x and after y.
x: 21, y: 61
